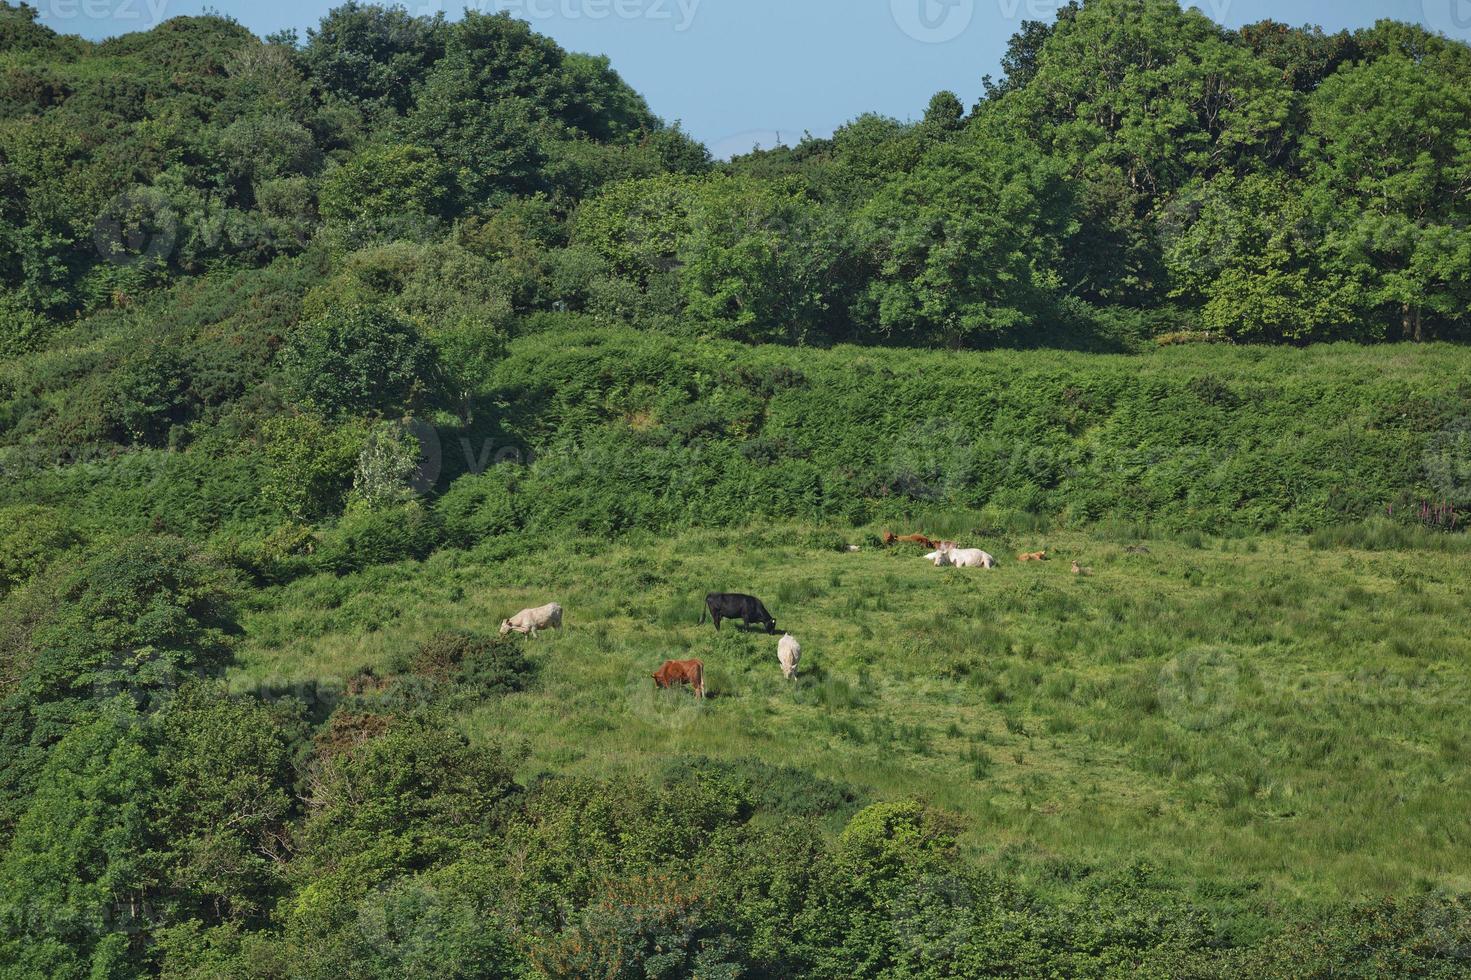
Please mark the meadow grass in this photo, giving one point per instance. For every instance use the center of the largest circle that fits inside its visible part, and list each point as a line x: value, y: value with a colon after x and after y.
x: 1273, y: 717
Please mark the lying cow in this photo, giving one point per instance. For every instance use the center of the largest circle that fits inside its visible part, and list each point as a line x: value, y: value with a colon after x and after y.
x: 965, y: 558
x: 789, y: 652
x: 677, y: 672
x: 733, y: 605
x: 890, y: 538
x: 1032, y: 556
x: 528, y: 621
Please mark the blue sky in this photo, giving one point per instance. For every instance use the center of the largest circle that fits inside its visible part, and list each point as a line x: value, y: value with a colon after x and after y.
x: 738, y: 72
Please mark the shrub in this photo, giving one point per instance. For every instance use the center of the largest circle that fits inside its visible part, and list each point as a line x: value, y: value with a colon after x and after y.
x: 135, y: 618
x: 352, y: 361
x: 478, y: 507
x: 30, y: 536
x: 481, y: 665
x: 365, y: 537
x: 384, y: 183
x: 386, y: 467
x: 309, y: 464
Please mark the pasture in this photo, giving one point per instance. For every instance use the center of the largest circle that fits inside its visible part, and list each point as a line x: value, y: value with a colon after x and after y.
x: 1266, y: 720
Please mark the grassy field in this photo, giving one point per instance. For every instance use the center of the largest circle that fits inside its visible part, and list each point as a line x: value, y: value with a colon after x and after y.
x: 1270, y: 719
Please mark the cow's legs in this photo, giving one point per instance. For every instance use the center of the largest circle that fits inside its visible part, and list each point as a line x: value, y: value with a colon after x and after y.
x: 716, y: 617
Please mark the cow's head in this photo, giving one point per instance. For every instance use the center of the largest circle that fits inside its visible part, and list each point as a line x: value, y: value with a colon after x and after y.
x: 505, y: 626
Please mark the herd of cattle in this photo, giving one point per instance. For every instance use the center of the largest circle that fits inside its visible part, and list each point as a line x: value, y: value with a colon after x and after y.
x: 751, y: 611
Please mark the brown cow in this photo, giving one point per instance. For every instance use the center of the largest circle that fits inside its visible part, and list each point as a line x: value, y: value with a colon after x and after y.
x: 1033, y: 556
x: 890, y: 538
x: 677, y: 672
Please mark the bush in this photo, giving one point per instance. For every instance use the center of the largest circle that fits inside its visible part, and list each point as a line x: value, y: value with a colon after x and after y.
x: 386, y: 467
x: 385, y: 183
x: 30, y: 536
x: 365, y: 537
x: 309, y: 464
x: 480, y: 665
x: 478, y: 507
x: 352, y: 361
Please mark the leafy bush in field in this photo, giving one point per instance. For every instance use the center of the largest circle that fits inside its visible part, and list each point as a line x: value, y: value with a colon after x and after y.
x: 778, y: 789
x: 385, y: 468
x: 480, y: 666
x: 309, y: 464
x: 365, y: 537
x: 478, y: 507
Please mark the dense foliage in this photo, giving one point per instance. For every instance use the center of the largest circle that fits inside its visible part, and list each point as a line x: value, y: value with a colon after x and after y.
x: 289, y: 311
x: 1137, y: 169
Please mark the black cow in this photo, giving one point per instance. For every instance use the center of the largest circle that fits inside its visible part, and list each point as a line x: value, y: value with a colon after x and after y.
x: 728, y: 605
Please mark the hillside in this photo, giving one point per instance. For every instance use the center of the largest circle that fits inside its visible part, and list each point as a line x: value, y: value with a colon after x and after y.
x: 320, y: 357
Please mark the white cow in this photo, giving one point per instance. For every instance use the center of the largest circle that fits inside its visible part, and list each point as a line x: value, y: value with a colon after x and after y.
x: 528, y: 621
x: 789, y: 652
x: 966, y: 558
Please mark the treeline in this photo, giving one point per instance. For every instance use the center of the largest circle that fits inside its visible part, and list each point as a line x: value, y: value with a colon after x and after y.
x: 1136, y: 171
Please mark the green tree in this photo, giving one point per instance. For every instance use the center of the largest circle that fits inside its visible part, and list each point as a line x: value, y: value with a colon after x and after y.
x: 355, y: 360
x: 1393, y: 135
x: 225, y: 768
x: 966, y: 249
x: 1134, y: 98
x: 78, y: 867
x: 386, y: 183
x: 1248, y: 252
x: 137, y: 616
x: 374, y: 54
x: 755, y: 260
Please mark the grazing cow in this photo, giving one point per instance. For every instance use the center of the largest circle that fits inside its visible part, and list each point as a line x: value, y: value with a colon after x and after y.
x: 732, y: 605
x: 968, y: 558
x: 789, y: 652
x: 1033, y: 556
x: 677, y: 672
x: 528, y: 621
x: 890, y: 538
